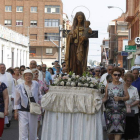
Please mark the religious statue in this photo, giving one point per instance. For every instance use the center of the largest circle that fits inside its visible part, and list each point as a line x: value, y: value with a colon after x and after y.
x: 78, y: 45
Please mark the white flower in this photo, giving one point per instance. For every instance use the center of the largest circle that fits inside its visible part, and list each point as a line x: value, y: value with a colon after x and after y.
x: 62, y: 83
x: 93, y: 80
x: 69, y: 79
x: 88, y: 78
x: 83, y: 78
x: 55, y: 82
x: 73, y: 76
x: 77, y: 76
x: 73, y: 84
x: 91, y: 85
x: 86, y: 85
x: 79, y: 84
x: 68, y: 84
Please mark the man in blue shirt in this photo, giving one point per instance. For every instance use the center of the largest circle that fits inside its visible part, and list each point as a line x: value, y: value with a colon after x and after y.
x: 136, y: 82
x: 55, y: 66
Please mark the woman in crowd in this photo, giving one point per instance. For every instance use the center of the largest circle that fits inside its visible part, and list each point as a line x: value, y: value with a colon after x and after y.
x: 132, y: 125
x: 17, y: 75
x: 115, y: 96
x: 97, y: 73
x: 43, y: 89
x: 29, y: 90
x: 52, y: 73
x: 4, y: 101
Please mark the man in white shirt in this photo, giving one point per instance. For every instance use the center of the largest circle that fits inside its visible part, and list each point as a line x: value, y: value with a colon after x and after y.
x: 7, y: 78
x: 109, y: 70
x: 33, y: 65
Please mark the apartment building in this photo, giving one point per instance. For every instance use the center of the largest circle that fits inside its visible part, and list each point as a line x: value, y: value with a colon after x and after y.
x: 132, y: 16
x: 38, y: 19
x: 118, y: 38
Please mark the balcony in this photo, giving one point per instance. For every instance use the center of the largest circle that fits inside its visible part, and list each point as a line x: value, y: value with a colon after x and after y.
x: 129, y: 16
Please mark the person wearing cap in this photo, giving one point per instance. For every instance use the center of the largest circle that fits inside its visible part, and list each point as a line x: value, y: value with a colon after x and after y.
x: 27, y: 121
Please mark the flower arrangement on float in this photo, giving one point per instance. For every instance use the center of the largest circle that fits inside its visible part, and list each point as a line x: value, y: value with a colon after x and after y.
x: 86, y: 80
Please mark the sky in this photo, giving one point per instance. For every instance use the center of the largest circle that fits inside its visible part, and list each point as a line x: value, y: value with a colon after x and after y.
x: 99, y: 15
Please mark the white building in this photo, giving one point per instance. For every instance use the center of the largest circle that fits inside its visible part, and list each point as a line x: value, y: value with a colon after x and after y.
x: 14, y: 48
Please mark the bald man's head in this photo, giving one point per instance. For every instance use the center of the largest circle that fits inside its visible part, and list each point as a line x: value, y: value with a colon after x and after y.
x: 33, y: 64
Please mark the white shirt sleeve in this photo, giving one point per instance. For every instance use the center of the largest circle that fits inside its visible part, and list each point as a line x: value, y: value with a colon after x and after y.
x: 40, y: 77
x: 137, y: 95
x: 103, y: 79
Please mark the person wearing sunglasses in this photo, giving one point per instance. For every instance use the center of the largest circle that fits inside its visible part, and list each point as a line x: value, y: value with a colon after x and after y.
x: 97, y: 73
x: 132, y: 125
x: 109, y: 70
x: 115, y: 96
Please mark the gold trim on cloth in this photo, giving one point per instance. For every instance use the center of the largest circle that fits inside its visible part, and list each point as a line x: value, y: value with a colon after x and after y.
x: 72, y: 100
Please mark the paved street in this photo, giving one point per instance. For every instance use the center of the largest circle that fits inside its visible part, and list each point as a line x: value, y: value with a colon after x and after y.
x: 12, y: 132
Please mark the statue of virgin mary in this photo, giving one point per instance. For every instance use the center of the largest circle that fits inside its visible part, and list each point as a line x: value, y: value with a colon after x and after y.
x: 77, y: 46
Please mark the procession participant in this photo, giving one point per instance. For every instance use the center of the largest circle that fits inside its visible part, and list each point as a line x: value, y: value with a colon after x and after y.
x: 39, y: 67
x: 29, y: 90
x: 132, y: 125
x: 33, y: 65
x: 4, y: 100
x: 55, y: 65
x: 7, y: 78
x: 109, y: 70
x: 22, y: 68
x: 44, y: 67
x: 52, y: 73
x: 97, y: 73
x: 136, y: 82
x: 64, y: 73
x: 43, y: 89
x: 115, y: 95
x: 17, y: 75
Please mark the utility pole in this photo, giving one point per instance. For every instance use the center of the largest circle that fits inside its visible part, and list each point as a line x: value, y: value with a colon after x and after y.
x: 59, y: 48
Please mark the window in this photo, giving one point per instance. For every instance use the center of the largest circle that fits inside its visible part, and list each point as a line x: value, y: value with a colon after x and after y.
x: 33, y: 9
x: 33, y: 36
x: 33, y: 23
x: 52, y: 22
x: 19, y: 22
x: 52, y: 9
x: 8, y: 8
x: 33, y: 50
x: 51, y: 36
x: 19, y: 9
x: 8, y: 22
x: 49, y: 51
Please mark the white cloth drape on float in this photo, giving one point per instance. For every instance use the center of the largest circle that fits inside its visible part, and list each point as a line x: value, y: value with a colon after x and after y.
x: 72, y: 113
x: 67, y: 126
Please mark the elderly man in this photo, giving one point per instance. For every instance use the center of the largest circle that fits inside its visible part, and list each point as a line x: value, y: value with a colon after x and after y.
x: 109, y: 70
x: 46, y: 75
x: 7, y: 78
x: 33, y: 65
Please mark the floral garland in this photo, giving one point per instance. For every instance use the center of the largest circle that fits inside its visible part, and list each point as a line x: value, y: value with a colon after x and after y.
x: 86, y: 80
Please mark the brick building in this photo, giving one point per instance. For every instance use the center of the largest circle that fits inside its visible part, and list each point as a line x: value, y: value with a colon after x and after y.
x: 118, y: 38
x: 132, y: 16
x: 38, y: 19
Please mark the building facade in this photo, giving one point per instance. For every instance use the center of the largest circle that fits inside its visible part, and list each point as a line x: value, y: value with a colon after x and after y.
x: 38, y: 19
x: 105, y: 52
x: 14, y: 48
x: 118, y: 38
x: 132, y: 16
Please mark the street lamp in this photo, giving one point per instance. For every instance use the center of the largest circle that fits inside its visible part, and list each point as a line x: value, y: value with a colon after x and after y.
x: 115, y: 7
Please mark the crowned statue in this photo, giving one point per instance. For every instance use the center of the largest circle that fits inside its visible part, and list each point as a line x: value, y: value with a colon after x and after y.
x: 78, y: 45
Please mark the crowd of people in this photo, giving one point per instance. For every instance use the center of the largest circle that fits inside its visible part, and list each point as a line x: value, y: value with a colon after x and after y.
x: 22, y: 85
